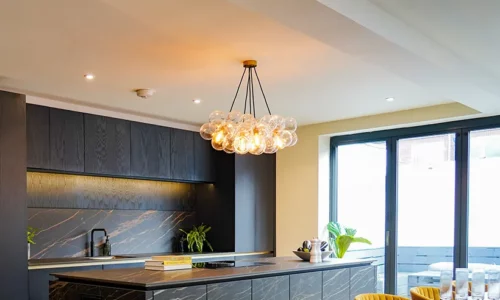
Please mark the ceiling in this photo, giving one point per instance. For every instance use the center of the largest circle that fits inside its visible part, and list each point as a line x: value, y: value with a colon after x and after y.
x: 319, y: 60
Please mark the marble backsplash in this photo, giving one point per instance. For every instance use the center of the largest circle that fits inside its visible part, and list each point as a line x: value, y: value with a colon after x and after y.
x: 66, y: 232
x: 140, y: 216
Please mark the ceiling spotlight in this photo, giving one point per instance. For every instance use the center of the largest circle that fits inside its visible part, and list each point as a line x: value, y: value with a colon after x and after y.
x: 89, y: 76
x: 390, y: 99
x: 196, y: 101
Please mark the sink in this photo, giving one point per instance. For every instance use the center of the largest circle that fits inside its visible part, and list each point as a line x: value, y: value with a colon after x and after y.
x: 109, y: 257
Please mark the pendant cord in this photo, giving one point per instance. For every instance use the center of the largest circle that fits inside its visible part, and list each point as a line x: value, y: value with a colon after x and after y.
x: 246, y: 96
x: 253, y: 95
x: 263, y: 95
x: 237, y: 90
x: 250, y: 85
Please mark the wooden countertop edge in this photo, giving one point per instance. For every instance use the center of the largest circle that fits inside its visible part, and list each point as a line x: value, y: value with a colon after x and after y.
x: 89, y: 263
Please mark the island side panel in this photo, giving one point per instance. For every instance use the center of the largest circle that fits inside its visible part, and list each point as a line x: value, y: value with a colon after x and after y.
x: 271, y: 288
x: 306, y: 286
x: 59, y: 290
x: 336, y: 284
x: 198, y: 292
x: 234, y: 290
x: 362, y: 280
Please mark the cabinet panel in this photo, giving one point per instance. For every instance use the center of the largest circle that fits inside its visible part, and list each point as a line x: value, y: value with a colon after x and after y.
x: 271, y: 288
x: 241, y: 290
x: 198, y: 292
x: 66, y: 140
x: 306, y: 286
x: 182, y: 154
x: 336, y: 284
x: 150, y: 151
x: 363, y: 280
x: 204, y: 166
x: 107, y: 145
x: 38, y: 136
x: 39, y: 280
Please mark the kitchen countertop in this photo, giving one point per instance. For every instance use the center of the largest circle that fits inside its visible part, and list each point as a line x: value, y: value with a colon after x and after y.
x: 70, y: 262
x: 141, y: 279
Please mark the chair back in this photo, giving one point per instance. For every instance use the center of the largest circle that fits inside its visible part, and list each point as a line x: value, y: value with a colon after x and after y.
x: 424, y: 293
x: 379, y: 297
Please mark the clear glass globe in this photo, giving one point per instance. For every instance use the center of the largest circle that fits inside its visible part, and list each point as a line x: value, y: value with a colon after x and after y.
x: 278, y: 142
x: 217, y: 145
x: 206, y: 131
x: 265, y: 119
x: 242, y: 144
x: 219, y: 136
x: 277, y: 122
x: 270, y: 146
x: 228, y: 144
x: 295, y: 139
x: 290, y: 124
x: 258, y: 143
x: 234, y: 116
x: 248, y: 118
x: 287, y: 137
x: 217, y: 115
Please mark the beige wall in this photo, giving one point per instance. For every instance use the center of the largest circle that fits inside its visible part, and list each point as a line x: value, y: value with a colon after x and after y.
x: 302, y: 171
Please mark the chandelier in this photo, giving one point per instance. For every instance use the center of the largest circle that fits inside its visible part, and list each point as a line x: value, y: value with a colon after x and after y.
x: 242, y: 133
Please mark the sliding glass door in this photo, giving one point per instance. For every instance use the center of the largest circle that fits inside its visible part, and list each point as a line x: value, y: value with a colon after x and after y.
x: 425, y: 209
x: 484, y: 202
x: 361, y: 199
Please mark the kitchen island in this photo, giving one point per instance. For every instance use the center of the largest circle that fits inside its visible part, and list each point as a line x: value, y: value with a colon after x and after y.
x: 269, y: 278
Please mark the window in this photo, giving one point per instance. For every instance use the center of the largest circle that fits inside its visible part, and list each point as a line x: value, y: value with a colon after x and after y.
x: 425, y: 196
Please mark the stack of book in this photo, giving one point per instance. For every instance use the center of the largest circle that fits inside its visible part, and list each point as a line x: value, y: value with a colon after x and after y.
x: 169, y: 263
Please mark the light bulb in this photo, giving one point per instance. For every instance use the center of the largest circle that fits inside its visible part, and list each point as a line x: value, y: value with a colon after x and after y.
x: 241, y: 144
x: 278, y: 142
x: 218, y: 136
x: 216, y: 145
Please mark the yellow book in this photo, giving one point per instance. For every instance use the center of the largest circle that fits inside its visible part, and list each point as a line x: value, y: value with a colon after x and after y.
x: 172, y: 258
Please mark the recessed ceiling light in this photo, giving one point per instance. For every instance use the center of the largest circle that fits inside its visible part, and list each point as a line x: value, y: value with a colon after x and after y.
x: 196, y: 101
x: 89, y: 76
x: 390, y: 99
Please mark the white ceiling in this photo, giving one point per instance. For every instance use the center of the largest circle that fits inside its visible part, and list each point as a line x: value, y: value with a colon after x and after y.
x: 318, y: 60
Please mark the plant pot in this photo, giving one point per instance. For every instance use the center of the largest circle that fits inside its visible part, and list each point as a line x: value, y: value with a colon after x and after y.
x: 29, y: 250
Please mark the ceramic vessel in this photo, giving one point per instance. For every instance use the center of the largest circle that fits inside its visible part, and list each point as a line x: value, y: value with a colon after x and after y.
x: 315, y: 251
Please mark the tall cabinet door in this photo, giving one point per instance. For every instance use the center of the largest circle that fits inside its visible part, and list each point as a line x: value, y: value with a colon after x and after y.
x: 107, y: 145
x: 150, y: 151
x: 182, y: 154
x: 37, y: 134
x: 204, y: 156
x: 66, y: 140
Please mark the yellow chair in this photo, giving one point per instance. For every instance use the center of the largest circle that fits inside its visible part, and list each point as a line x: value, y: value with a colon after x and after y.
x: 379, y: 297
x: 424, y: 293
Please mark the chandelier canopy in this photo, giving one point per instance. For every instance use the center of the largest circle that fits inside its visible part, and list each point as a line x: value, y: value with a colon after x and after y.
x: 242, y: 133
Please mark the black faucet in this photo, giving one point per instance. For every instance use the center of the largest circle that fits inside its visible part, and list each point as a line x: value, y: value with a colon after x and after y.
x: 92, y: 239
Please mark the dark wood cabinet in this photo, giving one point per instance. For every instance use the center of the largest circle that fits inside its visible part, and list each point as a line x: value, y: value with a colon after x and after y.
x: 107, y: 145
x: 37, y: 136
x: 39, y: 280
x: 204, y: 160
x: 150, y: 151
x: 182, y: 154
x: 66, y: 140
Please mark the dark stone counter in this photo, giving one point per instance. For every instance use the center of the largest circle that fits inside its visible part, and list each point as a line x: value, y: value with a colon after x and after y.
x: 287, y: 278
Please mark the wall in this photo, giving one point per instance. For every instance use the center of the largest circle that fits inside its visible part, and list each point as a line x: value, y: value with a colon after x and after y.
x: 13, y: 253
x: 140, y: 216
x: 302, y: 171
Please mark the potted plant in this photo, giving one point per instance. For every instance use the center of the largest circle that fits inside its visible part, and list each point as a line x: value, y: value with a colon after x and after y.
x: 197, y: 237
x: 31, y: 232
x: 341, y: 238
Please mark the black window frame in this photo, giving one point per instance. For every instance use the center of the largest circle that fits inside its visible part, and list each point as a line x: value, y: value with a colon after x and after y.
x: 462, y: 130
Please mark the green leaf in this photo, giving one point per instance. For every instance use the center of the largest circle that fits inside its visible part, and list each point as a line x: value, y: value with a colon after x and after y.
x: 334, y: 229
x: 343, y: 242
x: 361, y: 240
x: 350, y: 231
x: 210, y: 246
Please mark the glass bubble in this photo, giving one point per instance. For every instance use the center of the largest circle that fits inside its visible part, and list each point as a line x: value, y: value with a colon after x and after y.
x: 277, y: 122
x: 270, y: 146
x: 295, y: 139
x: 206, y: 131
x: 228, y: 144
x: 287, y: 137
x: 241, y: 144
x: 258, y: 143
x: 290, y: 124
x: 217, y: 115
x: 234, y: 116
x: 217, y: 145
x: 248, y: 118
x: 278, y: 142
x: 265, y: 119
x: 219, y: 136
